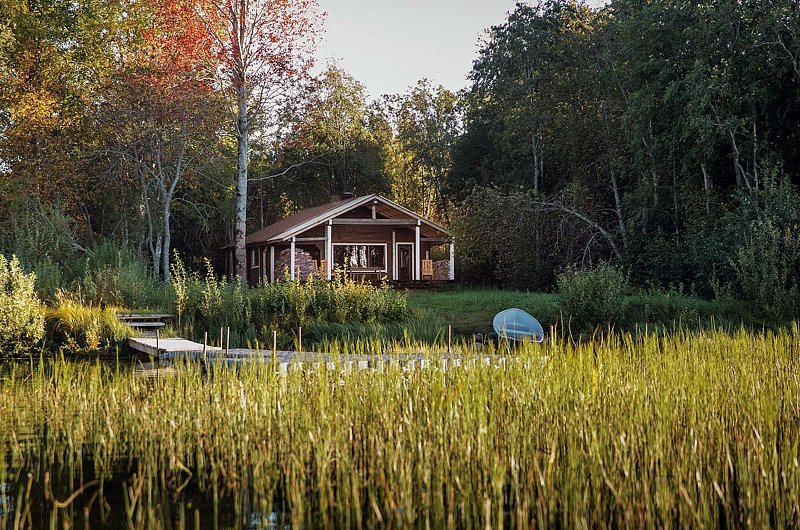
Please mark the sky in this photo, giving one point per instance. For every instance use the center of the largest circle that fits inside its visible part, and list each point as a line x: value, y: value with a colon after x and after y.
x: 389, y: 45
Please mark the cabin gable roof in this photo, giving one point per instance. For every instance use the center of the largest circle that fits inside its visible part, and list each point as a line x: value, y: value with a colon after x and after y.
x: 303, y: 220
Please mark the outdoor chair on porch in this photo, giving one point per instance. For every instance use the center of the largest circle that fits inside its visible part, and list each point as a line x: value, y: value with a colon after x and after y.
x: 427, y: 269
x: 321, y: 268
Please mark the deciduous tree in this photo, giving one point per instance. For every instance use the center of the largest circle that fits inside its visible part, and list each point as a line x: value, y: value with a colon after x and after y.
x: 263, y: 45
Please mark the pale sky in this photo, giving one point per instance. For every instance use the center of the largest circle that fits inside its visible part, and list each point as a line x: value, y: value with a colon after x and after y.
x: 390, y: 44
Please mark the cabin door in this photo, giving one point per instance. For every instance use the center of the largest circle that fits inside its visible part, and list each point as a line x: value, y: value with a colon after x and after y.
x: 405, y: 251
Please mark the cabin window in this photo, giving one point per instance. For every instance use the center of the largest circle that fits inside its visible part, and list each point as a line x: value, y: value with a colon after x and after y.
x: 255, y: 255
x: 360, y: 256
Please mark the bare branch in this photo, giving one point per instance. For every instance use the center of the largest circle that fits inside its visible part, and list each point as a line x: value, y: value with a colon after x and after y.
x: 288, y: 169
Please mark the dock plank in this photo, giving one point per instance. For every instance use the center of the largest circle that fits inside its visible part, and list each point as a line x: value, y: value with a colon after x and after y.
x: 129, y: 317
x: 158, y: 347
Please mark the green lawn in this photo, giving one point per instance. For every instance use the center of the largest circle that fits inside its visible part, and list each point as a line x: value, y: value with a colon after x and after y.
x: 472, y: 310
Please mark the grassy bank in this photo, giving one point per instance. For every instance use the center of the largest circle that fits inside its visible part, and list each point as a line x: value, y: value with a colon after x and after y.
x: 693, y: 430
x: 471, y: 310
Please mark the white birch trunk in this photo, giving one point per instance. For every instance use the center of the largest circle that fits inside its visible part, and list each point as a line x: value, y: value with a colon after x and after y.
x: 240, y: 229
x: 707, y: 186
x: 618, y: 208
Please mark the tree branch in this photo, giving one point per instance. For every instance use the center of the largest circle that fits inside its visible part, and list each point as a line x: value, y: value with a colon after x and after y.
x: 288, y: 169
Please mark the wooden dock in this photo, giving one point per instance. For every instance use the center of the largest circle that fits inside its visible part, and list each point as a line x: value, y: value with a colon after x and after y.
x: 171, y: 350
x: 168, y: 348
x: 164, y: 351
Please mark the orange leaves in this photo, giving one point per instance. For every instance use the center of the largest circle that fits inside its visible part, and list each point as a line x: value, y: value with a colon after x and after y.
x: 265, y: 43
x: 177, y: 53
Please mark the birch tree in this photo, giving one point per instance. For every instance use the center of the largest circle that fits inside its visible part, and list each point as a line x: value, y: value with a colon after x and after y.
x: 263, y: 46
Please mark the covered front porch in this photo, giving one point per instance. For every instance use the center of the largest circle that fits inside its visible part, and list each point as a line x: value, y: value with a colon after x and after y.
x: 397, y: 251
x: 369, y: 237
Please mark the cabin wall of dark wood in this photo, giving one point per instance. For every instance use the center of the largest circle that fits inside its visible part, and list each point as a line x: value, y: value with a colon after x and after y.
x: 341, y: 234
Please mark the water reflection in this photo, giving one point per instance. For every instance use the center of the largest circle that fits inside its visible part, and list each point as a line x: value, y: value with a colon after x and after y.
x: 49, y: 487
x: 74, y: 496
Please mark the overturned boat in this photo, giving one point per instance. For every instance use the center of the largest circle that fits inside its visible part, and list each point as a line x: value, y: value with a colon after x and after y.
x: 515, y: 325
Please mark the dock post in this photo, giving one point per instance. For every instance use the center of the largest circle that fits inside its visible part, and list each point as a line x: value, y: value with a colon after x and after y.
x: 205, y: 344
x: 449, y: 338
x: 300, y: 339
x: 228, y: 342
x: 158, y: 354
x: 274, y: 346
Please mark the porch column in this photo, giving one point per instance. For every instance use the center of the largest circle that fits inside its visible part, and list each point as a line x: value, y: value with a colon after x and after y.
x: 272, y: 263
x: 417, y: 254
x: 291, y: 266
x: 394, y: 255
x: 452, y: 275
x: 262, y: 261
x: 329, y: 250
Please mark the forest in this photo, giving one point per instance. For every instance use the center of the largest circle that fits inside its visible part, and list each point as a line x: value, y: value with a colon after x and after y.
x: 627, y: 174
x: 660, y: 137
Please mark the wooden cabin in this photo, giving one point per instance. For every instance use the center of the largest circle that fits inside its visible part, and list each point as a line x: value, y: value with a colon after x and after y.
x: 369, y: 237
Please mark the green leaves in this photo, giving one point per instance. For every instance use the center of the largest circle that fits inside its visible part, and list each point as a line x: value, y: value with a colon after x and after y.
x: 21, y: 311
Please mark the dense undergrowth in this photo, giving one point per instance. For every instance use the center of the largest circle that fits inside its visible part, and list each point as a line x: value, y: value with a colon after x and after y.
x: 79, y: 316
x: 698, y: 429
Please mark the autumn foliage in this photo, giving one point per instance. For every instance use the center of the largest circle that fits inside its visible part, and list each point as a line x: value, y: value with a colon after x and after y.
x: 263, y: 43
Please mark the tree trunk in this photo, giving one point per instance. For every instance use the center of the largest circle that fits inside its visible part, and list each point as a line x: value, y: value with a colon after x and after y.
x: 165, y: 255
x: 741, y: 177
x: 89, y: 230
x: 157, y: 247
x: 655, y: 179
x: 618, y: 208
x: 240, y: 230
x: 535, y: 153
x: 148, y: 215
x: 441, y: 198
x: 708, y: 185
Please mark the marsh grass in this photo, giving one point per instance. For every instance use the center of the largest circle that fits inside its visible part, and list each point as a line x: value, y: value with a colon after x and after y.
x: 206, y: 304
x: 695, y: 429
x: 78, y: 327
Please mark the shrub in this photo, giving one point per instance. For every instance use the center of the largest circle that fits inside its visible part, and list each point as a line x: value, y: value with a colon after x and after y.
x: 594, y: 296
x: 21, y: 311
x: 767, y: 266
x: 115, y: 275
x: 79, y: 327
x: 205, y: 303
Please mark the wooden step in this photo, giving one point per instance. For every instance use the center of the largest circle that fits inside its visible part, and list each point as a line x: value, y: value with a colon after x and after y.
x: 130, y: 317
x: 145, y: 325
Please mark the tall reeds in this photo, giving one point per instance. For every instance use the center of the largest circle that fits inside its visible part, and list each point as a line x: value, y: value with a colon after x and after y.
x: 688, y: 430
x: 206, y: 303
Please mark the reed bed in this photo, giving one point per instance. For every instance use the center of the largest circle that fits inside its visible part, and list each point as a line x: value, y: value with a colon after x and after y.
x: 695, y: 429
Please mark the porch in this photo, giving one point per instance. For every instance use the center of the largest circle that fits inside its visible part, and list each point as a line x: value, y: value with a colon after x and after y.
x: 369, y: 238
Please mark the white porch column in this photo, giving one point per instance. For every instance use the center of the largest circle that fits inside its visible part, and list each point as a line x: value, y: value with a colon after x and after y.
x: 329, y: 250
x: 262, y: 261
x: 272, y: 263
x: 394, y: 255
x: 417, y: 254
x: 452, y: 275
x: 291, y: 266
